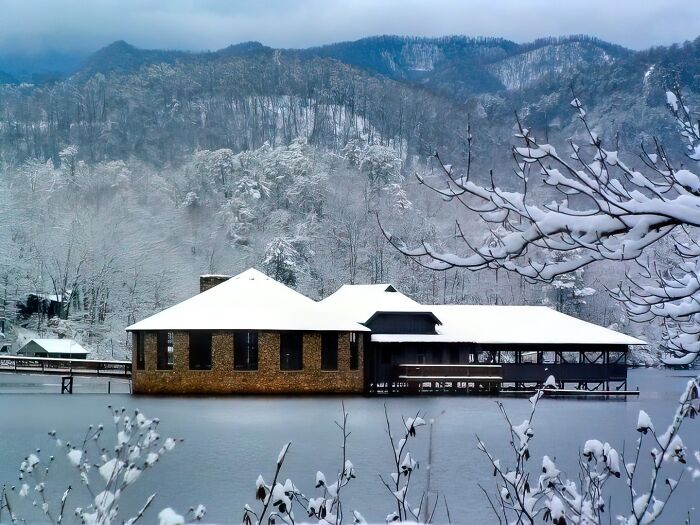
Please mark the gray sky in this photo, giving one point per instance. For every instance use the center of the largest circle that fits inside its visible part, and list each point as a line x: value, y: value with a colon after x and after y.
x: 68, y: 25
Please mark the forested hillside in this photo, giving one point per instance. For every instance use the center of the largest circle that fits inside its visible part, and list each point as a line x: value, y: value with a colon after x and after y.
x: 124, y: 181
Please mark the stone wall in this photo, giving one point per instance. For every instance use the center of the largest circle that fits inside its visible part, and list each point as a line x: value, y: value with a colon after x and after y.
x: 268, y: 379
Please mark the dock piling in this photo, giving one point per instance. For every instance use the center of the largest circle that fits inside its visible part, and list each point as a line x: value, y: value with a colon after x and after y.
x: 67, y: 385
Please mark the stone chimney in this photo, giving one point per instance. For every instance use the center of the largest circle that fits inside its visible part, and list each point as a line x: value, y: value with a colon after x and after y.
x: 209, y: 281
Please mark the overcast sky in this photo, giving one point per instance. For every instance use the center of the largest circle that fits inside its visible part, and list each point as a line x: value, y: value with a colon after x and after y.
x: 68, y: 25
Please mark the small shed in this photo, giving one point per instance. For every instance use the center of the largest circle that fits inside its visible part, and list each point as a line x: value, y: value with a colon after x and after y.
x: 58, y: 348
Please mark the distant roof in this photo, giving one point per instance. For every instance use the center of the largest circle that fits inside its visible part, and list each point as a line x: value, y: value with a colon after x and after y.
x: 57, y: 346
x: 489, y: 324
x: 249, y: 301
x: 56, y: 298
x: 360, y: 302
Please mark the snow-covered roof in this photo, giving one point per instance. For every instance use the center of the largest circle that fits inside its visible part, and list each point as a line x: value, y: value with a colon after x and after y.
x: 55, y: 298
x: 488, y: 324
x: 359, y: 302
x: 249, y: 301
x: 57, y: 346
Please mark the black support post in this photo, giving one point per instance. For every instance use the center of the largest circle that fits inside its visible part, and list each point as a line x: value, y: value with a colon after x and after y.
x: 67, y: 385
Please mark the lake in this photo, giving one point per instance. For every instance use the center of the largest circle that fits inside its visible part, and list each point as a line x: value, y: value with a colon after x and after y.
x: 229, y: 441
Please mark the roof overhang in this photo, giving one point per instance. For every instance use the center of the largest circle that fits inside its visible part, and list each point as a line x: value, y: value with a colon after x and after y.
x: 456, y: 339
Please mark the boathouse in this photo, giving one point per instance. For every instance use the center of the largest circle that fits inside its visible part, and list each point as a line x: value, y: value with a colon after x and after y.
x: 252, y: 334
x: 57, y: 348
x: 247, y: 334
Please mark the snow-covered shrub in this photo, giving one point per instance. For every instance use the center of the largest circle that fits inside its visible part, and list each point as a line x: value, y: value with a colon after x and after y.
x: 278, y: 500
x: 522, y: 497
x: 405, y: 466
x: 104, y: 471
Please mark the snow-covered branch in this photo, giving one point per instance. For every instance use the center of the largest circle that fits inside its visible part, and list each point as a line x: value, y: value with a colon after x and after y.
x: 605, y: 210
x: 105, y: 472
x: 521, y: 499
x: 278, y: 499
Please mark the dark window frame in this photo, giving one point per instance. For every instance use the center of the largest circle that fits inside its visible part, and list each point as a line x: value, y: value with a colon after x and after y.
x: 291, y: 351
x: 248, y: 349
x: 164, y: 350
x: 329, y: 351
x: 200, y: 357
x: 354, y: 351
x: 171, y: 349
x: 140, y: 343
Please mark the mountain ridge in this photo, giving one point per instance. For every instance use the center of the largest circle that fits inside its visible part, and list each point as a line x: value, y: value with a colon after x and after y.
x: 123, y: 56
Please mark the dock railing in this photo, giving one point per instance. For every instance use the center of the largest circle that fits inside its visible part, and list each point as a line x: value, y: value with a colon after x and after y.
x: 52, y: 365
x: 467, y: 372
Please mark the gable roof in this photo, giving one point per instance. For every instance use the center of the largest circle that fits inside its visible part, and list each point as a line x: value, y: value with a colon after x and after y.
x: 360, y: 302
x: 56, y: 346
x: 248, y: 301
x: 489, y: 324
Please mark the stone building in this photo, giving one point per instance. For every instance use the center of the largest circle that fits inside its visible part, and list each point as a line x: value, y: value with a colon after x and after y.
x: 247, y: 334
x: 250, y: 334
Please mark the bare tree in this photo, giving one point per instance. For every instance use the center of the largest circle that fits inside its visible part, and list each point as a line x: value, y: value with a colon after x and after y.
x: 606, y: 210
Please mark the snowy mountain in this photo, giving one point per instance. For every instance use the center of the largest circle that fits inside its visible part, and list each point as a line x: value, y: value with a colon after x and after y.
x: 460, y: 66
x: 145, y: 168
x: 526, y: 68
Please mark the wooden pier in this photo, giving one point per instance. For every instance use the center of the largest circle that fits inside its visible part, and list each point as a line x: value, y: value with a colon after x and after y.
x: 443, y: 379
x: 64, y: 367
x: 601, y: 374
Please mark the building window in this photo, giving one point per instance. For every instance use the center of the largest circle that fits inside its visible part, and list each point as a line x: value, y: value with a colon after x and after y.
x: 200, y: 350
x: 140, y: 343
x: 164, y: 351
x: 354, y: 352
x: 291, y: 351
x: 454, y: 355
x: 245, y: 351
x: 329, y: 351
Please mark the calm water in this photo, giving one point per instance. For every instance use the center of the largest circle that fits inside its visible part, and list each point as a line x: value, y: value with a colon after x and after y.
x: 229, y: 441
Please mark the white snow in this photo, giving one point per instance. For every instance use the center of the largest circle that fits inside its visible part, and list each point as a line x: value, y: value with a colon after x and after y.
x: 283, y: 452
x: 199, y: 512
x: 56, y: 346
x: 248, y: 301
x: 74, y: 456
x: 648, y: 72
x: 672, y: 100
x: 109, y: 469
x: 644, y: 422
x: 104, y: 500
x: 359, y: 302
x: 168, y: 516
x: 490, y: 324
x: 687, y: 179
x: 253, y: 301
x: 131, y: 475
